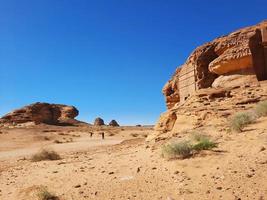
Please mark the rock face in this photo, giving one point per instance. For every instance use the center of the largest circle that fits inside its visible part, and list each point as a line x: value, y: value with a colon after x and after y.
x: 210, y: 107
x: 171, y: 90
x: 113, y: 123
x: 225, y: 55
x: 42, y: 113
x: 99, y: 122
x: 210, y: 74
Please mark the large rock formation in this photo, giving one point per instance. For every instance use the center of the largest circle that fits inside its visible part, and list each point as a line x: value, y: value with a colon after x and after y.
x: 113, y: 123
x: 225, y: 55
x: 42, y: 113
x: 99, y: 122
x: 213, y: 72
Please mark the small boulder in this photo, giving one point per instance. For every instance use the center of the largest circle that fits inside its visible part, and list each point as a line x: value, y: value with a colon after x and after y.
x: 113, y: 123
x: 99, y: 122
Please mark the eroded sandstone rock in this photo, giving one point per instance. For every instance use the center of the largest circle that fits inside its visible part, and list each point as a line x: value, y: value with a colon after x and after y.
x: 229, y: 54
x: 99, y: 122
x: 41, y: 113
x: 113, y: 123
x: 213, y: 83
x: 166, y: 122
x: 171, y: 90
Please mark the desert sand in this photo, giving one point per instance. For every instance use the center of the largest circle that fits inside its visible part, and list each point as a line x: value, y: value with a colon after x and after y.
x: 125, y: 166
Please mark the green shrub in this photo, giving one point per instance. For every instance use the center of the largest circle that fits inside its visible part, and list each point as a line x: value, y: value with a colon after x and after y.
x: 44, y: 194
x: 177, y: 150
x: 240, y: 120
x: 261, y: 109
x: 45, y: 154
x: 204, y: 144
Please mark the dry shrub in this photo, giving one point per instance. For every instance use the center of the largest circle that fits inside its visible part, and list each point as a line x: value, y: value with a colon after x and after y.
x: 44, y: 194
x: 241, y: 119
x: 198, y: 136
x: 202, y: 142
x: 177, y: 150
x: 45, y: 154
x: 185, y: 149
x: 261, y: 109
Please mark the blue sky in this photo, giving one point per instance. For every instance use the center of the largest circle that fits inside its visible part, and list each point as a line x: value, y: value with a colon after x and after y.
x: 109, y: 58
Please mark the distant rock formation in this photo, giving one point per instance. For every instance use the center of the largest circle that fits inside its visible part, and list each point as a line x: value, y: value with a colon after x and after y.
x: 113, y: 123
x: 99, y: 122
x: 42, y: 113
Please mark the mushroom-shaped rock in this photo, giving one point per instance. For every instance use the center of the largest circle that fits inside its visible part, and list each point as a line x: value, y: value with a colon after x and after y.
x: 99, y: 122
x: 113, y: 123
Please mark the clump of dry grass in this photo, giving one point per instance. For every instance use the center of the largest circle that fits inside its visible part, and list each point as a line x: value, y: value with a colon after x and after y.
x: 242, y: 119
x: 186, y: 149
x: 202, y: 142
x: 44, y: 194
x: 198, y: 136
x: 45, y: 154
x: 177, y: 150
x: 261, y: 109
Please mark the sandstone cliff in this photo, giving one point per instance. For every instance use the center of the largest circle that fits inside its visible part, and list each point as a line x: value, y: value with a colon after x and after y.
x: 225, y: 55
x: 211, y: 83
x: 42, y: 113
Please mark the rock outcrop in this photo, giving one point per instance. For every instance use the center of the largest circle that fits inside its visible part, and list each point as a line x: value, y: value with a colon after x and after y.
x: 113, y: 123
x: 171, y: 90
x: 42, y: 113
x: 225, y: 55
x: 99, y: 122
x: 212, y: 75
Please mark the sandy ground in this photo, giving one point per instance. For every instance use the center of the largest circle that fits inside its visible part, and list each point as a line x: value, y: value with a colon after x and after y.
x: 124, y: 166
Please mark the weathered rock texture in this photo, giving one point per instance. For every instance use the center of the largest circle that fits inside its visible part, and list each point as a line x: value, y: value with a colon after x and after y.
x: 99, y: 122
x: 210, y: 107
x: 42, y: 113
x: 258, y: 47
x: 171, y: 90
x: 214, y: 81
x: 113, y: 123
x: 225, y: 55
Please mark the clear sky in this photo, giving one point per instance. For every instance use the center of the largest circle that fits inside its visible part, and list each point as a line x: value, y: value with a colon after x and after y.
x: 109, y: 58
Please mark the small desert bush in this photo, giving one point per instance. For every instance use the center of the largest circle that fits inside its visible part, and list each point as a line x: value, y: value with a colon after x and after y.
x: 204, y: 144
x: 240, y: 120
x: 177, y: 149
x: 44, y: 194
x: 261, y: 109
x: 185, y: 149
x: 45, y: 154
x: 198, y: 136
